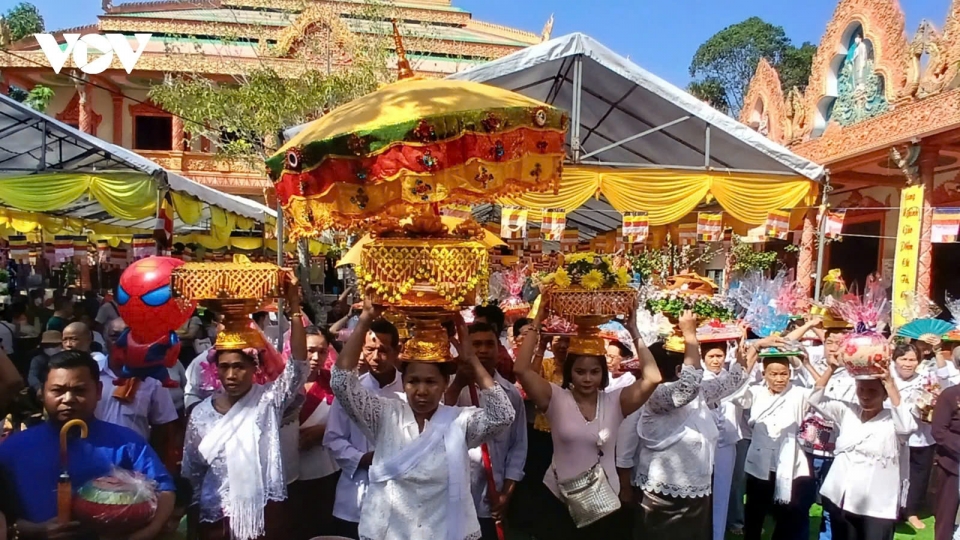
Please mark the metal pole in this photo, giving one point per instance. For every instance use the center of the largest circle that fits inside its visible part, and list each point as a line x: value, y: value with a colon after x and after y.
x: 577, y: 96
x: 822, y: 236
x: 43, y: 148
x: 706, y: 148
x: 280, y: 307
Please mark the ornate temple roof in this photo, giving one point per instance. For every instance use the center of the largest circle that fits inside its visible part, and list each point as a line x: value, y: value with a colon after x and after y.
x: 229, y: 36
x: 872, y: 86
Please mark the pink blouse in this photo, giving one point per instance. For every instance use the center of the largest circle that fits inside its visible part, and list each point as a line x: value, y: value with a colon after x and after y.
x: 575, y: 441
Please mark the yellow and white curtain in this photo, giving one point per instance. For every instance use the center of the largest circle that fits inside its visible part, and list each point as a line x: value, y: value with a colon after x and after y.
x: 667, y: 196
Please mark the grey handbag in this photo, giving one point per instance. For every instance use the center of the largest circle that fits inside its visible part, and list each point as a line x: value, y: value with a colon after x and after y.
x: 589, y: 496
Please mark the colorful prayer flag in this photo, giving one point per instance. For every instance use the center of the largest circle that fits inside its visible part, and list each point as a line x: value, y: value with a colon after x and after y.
x: 709, y: 226
x: 946, y: 225
x: 777, y: 224
x: 688, y: 234
x: 834, y: 225
x: 636, y: 227
x: 553, y: 221
x: 569, y: 240
x: 19, y: 248
x: 144, y: 245
x: 163, y: 230
x: 62, y: 248
x: 513, y: 222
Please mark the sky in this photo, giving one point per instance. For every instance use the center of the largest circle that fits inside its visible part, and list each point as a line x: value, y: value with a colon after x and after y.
x: 661, y: 35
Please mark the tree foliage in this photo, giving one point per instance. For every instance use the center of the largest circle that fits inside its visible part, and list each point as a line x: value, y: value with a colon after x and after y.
x: 39, y: 98
x: 22, y: 20
x: 710, y: 91
x: 730, y: 57
x: 796, y: 65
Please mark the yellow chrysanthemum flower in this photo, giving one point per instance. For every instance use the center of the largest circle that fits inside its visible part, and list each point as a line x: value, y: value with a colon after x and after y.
x: 623, y: 277
x: 592, y: 280
x: 561, y: 278
x: 577, y: 257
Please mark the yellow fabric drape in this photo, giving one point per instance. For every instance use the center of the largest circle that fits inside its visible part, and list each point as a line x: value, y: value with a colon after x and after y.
x: 130, y: 196
x: 247, y: 243
x: 576, y: 188
x: 188, y: 208
x: 669, y: 195
x: 222, y: 223
x: 26, y: 222
x: 244, y: 223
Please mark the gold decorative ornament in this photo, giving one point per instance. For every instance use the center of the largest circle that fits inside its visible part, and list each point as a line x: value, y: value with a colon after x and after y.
x: 424, y: 272
x: 589, y: 310
x: 235, y: 289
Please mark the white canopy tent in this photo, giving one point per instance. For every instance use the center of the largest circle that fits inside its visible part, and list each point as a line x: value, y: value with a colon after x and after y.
x: 34, y: 143
x: 624, y: 116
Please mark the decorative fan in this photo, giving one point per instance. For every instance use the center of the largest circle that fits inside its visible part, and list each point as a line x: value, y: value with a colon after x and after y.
x: 917, y: 328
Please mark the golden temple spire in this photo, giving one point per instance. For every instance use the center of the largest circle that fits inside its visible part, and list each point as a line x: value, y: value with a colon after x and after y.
x: 547, y: 29
x: 403, y: 65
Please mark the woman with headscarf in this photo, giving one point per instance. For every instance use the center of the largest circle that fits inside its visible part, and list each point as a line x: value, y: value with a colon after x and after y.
x: 420, y: 474
x: 232, y: 449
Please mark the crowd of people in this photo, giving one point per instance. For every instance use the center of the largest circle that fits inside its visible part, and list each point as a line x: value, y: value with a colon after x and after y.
x: 524, y: 434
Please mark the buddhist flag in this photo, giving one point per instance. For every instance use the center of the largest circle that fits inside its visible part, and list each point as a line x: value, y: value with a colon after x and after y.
x: 636, y: 227
x: 459, y: 211
x: 553, y: 222
x: 946, y: 225
x: 569, y: 241
x: 513, y: 222
x: 163, y: 231
x: 777, y: 225
x: 834, y: 225
x: 144, y: 245
x: 118, y: 257
x: 62, y: 248
x: 688, y: 234
x: 709, y: 226
x: 103, y: 251
x: 19, y: 248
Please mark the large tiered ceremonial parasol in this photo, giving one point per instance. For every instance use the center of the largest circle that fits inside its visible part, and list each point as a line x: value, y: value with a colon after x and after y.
x: 415, y: 143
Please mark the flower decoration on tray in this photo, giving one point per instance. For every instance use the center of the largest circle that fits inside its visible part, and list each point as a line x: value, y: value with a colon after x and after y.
x: 672, y: 303
x: 865, y: 352
x: 715, y: 330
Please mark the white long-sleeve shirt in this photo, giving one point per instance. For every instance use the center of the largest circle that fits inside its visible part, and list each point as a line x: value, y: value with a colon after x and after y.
x: 868, y: 467
x: 347, y: 444
x: 910, y: 391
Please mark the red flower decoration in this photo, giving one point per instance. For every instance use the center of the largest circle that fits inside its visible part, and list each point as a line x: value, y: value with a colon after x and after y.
x: 424, y: 132
x: 492, y: 122
x: 357, y: 144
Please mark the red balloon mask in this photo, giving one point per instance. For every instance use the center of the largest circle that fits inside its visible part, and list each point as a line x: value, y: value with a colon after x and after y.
x: 146, y: 301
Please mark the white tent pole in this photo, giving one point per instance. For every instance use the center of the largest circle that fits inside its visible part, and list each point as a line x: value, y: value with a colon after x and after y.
x: 822, y: 240
x: 43, y: 147
x: 577, y: 97
x: 634, y: 137
x: 706, y: 147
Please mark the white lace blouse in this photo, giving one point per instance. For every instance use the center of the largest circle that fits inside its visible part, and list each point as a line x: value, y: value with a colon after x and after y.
x: 209, y: 480
x: 414, y: 506
x: 680, y: 433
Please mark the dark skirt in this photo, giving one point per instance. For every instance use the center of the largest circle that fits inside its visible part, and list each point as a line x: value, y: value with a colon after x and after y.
x: 276, y: 525
x: 313, y: 503
x: 663, y: 516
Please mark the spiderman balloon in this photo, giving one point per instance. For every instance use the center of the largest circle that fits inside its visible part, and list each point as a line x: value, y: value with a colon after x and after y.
x: 150, y: 344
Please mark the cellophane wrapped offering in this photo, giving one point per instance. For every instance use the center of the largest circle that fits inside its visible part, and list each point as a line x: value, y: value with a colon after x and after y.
x: 865, y: 352
x: 927, y: 399
x: 558, y: 325
x: 513, y: 306
x: 116, y: 505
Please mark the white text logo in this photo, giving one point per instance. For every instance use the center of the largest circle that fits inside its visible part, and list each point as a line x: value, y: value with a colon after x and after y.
x: 79, y: 46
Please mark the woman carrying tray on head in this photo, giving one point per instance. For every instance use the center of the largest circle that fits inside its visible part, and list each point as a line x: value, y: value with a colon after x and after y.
x: 420, y: 475
x: 584, y: 423
x: 232, y: 450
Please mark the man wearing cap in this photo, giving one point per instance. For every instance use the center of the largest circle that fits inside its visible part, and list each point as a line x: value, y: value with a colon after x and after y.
x: 50, y: 344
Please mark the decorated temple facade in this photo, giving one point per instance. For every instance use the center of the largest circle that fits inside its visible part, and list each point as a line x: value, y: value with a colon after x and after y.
x: 224, y: 39
x: 881, y: 111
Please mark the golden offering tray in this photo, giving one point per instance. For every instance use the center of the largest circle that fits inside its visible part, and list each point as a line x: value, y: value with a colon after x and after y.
x: 589, y: 309
x: 423, y: 272
x: 236, y: 289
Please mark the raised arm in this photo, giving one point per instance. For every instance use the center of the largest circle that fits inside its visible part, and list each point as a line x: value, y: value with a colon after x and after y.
x: 537, y: 388
x: 691, y: 347
x: 288, y: 385
x: 361, y: 406
x: 634, y: 396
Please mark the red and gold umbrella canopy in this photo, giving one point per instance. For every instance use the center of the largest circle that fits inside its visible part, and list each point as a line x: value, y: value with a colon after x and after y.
x: 417, y: 143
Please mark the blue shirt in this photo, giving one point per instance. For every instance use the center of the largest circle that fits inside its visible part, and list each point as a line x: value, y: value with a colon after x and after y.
x: 31, y: 459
